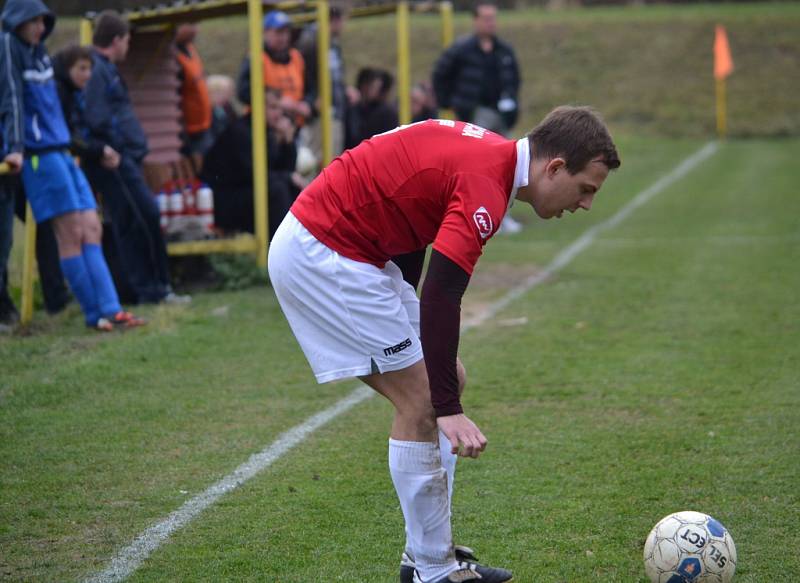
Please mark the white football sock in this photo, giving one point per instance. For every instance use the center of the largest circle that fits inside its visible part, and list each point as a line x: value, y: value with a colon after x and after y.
x: 449, y: 464
x: 421, y: 485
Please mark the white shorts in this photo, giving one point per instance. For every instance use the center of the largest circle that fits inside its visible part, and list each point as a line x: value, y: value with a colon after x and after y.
x: 350, y: 318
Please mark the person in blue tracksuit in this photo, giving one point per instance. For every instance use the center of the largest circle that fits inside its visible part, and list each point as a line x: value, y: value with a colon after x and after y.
x: 37, y: 138
x: 110, y: 119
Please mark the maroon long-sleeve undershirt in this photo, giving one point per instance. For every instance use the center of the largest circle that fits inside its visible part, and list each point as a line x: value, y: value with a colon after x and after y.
x: 440, y: 320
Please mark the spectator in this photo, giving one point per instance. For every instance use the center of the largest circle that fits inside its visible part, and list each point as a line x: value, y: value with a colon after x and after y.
x: 478, y: 77
x: 36, y: 135
x: 307, y: 44
x: 9, y: 316
x: 195, y: 100
x: 284, y: 68
x: 423, y: 103
x: 373, y: 113
x: 228, y: 169
x: 221, y: 91
x: 110, y: 119
x: 72, y: 68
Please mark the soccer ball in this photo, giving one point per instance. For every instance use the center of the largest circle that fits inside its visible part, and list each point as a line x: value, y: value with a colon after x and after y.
x: 689, y: 547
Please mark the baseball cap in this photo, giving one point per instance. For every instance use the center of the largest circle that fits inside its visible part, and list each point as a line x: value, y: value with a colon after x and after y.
x: 276, y: 19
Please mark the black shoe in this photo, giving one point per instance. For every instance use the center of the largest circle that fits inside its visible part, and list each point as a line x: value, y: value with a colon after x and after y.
x: 467, y: 561
x: 472, y: 572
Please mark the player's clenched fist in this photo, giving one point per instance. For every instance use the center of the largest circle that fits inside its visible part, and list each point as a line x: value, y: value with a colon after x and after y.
x: 465, y: 437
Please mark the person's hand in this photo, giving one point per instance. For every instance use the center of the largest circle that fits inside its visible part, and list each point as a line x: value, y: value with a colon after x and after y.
x: 285, y: 129
x: 14, y: 161
x: 465, y: 437
x: 353, y: 95
x: 110, y: 158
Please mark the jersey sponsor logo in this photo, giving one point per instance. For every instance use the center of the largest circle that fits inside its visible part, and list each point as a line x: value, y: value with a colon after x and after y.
x: 483, y: 220
x: 473, y: 131
x: 447, y: 123
x: 397, y: 347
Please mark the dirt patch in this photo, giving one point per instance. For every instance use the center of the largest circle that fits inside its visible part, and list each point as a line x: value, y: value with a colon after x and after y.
x: 490, y: 282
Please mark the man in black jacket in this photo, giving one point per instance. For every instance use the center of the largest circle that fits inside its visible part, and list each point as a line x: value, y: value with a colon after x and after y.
x: 478, y: 76
x: 111, y: 120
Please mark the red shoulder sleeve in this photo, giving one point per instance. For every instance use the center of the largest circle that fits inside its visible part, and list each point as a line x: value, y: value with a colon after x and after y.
x: 473, y: 215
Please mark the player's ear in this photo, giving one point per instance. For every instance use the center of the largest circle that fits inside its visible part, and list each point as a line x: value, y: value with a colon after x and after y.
x: 555, y: 166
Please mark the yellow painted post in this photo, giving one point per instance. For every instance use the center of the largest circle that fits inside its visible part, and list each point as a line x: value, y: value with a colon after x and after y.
x: 446, y: 11
x: 29, y: 260
x: 324, y: 80
x: 403, y: 63
x: 28, y: 266
x: 722, y: 122
x: 258, y: 126
x: 86, y: 32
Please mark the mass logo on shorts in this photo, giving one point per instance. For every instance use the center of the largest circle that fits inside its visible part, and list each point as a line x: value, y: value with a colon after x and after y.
x: 483, y: 220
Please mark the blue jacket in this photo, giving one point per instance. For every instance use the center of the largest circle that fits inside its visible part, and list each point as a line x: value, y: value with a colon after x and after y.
x: 109, y: 111
x: 30, y: 112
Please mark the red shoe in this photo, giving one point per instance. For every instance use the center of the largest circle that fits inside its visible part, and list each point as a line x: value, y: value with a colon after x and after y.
x: 125, y: 320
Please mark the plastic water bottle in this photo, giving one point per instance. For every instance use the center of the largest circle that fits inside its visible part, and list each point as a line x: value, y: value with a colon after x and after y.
x: 205, y: 206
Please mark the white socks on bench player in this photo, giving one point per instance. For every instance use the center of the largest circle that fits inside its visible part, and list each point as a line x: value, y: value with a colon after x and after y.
x: 422, y: 486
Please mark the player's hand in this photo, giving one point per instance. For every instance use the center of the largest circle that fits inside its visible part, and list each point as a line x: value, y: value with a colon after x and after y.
x: 14, y: 161
x: 465, y: 437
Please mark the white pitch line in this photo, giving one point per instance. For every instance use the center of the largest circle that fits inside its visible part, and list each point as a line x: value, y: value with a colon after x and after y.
x: 566, y: 255
x: 131, y: 557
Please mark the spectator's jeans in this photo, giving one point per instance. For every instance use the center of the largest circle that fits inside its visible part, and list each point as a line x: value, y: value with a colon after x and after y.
x: 6, y: 235
x: 135, y: 226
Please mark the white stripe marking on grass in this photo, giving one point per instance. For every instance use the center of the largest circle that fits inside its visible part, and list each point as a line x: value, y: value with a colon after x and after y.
x: 132, y: 556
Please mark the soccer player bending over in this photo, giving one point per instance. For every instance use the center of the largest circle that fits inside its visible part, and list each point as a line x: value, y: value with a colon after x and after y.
x: 346, y: 261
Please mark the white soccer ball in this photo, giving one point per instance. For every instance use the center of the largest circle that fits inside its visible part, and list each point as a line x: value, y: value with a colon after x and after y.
x: 689, y: 547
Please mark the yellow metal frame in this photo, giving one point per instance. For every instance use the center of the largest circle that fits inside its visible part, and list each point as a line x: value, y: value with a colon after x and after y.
x: 301, y: 12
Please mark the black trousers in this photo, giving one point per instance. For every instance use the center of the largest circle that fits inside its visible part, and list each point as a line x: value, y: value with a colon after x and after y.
x: 134, y: 219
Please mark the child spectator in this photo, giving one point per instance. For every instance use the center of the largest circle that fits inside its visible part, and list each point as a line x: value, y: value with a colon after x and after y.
x: 373, y: 114
x: 423, y: 102
x: 37, y: 137
x: 228, y: 169
x: 221, y: 91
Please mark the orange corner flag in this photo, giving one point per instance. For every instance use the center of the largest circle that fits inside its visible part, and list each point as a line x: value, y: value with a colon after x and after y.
x: 723, y: 63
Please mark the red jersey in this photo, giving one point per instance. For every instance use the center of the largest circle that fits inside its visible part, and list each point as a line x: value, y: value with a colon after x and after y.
x: 437, y: 181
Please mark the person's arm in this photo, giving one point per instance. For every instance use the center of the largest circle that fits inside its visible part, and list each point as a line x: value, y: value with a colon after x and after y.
x: 12, y: 108
x: 411, y: 265
x: 440, y: 320
x: 99, y: 113
x: 444, y: 72
x: 516, y: 80
x: 243, y: 82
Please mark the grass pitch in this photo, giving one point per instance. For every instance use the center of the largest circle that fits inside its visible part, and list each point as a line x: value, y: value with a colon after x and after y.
x: 657, y: 372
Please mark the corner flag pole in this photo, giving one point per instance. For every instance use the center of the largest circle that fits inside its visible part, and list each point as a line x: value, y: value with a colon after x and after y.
x: 723, y: 66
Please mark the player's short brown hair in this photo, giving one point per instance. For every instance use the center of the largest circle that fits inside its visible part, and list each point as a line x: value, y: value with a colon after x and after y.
x: 577, y: 134
x: 107, y: 26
